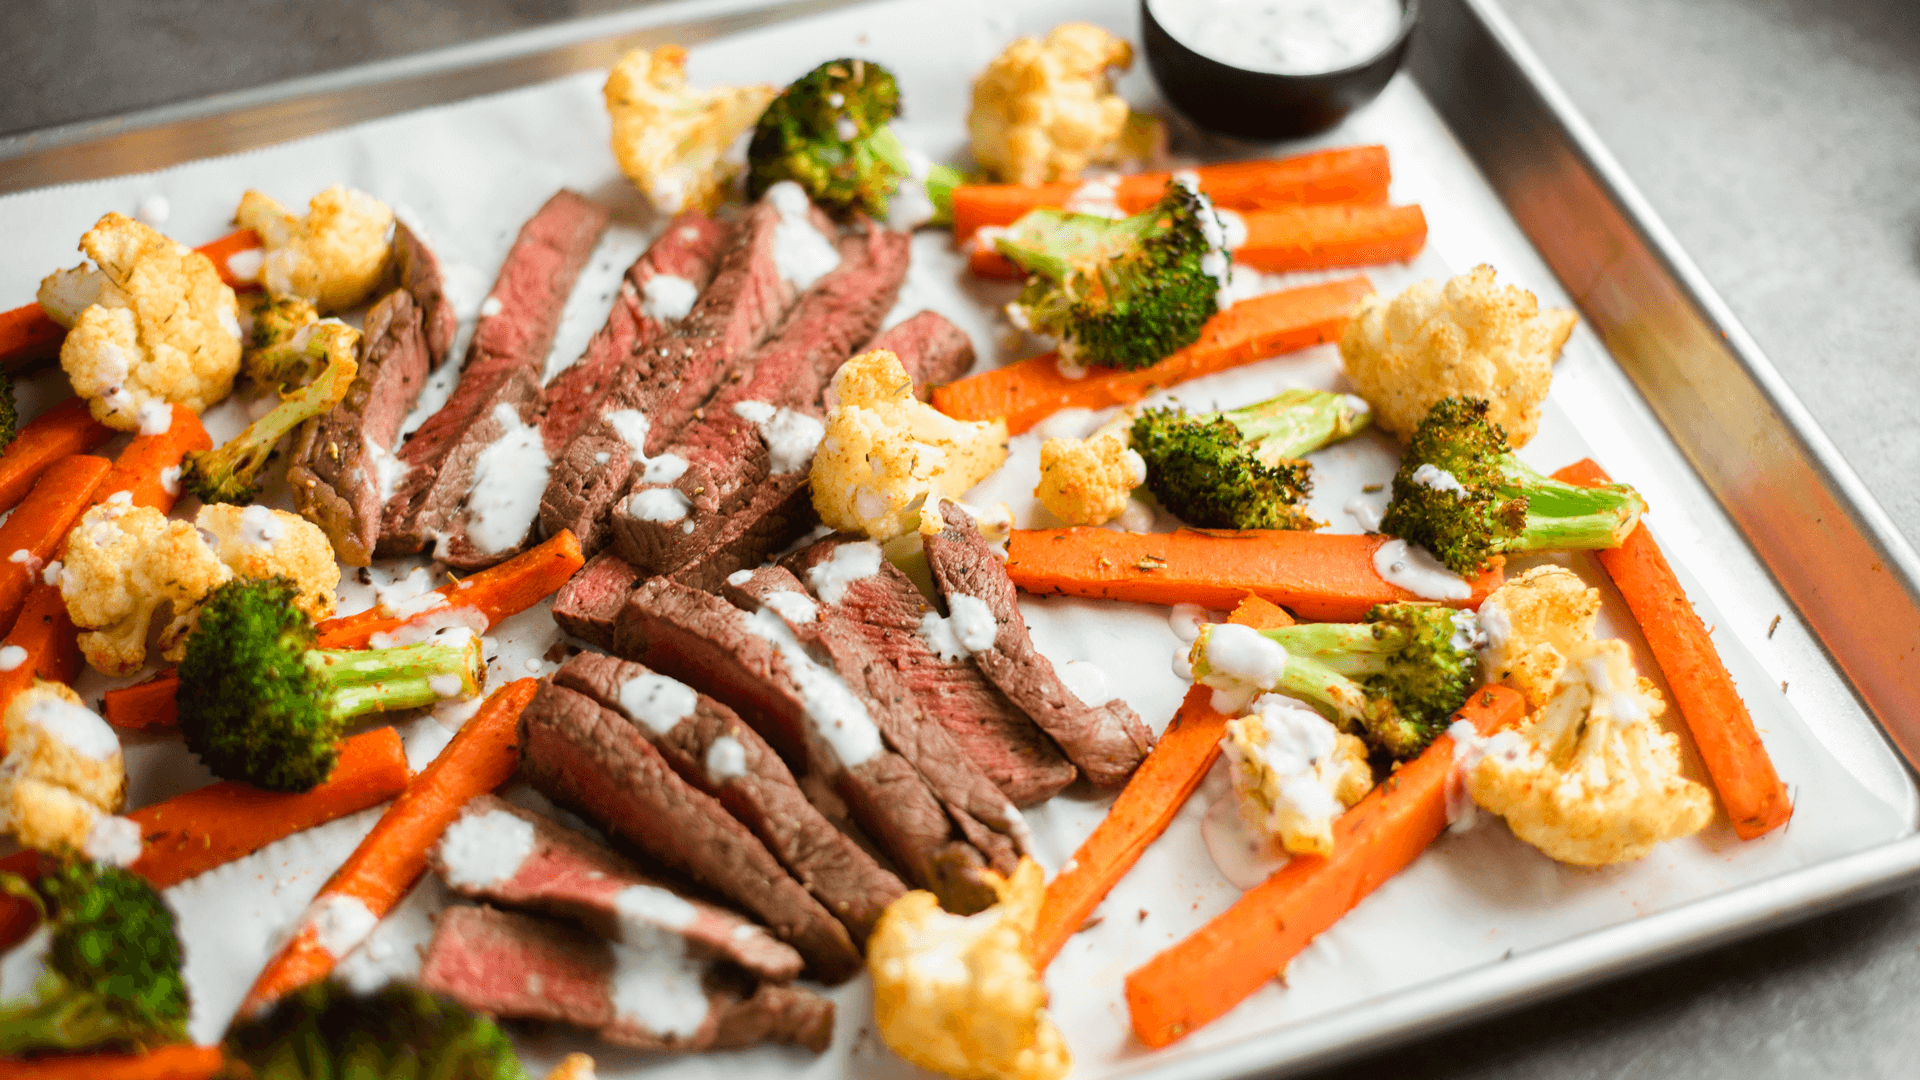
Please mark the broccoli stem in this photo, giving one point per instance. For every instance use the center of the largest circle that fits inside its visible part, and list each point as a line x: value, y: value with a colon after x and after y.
x: 361, y: 681
x: 1296, y: 423
x: 226, y: 473
x: 1563, y: 516
x: 1349, y: 649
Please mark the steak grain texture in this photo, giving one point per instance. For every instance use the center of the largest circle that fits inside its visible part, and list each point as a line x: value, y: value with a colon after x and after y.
x: 932, y: 350
x: 588, y: 603
x: 420, y: 275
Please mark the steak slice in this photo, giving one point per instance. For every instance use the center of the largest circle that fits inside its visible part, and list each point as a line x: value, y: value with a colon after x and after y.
x: 768, y: 423
x: 592, y: 598
x: 887, y: 611
x: 753, y: 662
x: 778, y: 513
x: 501, y: 854
x: 420, y: 276
x: 343, y: 465
x: 510, y: 965
x: 675, y: 268
x: 713, y: 750
x: 1106, y: 741
x: 592, y: 759
x: 503, y: 366
x: 933, y: 350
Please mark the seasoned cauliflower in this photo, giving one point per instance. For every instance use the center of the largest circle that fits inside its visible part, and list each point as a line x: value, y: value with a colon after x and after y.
x: 673, y: 141
x: 1532, y: 623
x: 255, y: 542
x: 1592, y: 779
x: 1466, y: 337
x: 1089, y: 481
x: 1043, y: 110
x: 884, y: 453
x: 63, y: 773
x: 334, y: 257
x: 958, y: 994
x: 573, y: 1067
x: 151, y: 324
x: 1294, y: 772
x: 122, y: 563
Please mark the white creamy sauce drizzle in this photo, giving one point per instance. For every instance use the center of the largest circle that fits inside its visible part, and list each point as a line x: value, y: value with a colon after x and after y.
x: 12, y: 656
x: 153, y: 211
x: 260, y: 527
x: 837, y: 714
x: 1364, y: 513
x: 911, y: 206
x: 1097, y: 196
x: 22, y: 965
x: 77, y: 727
x: 1429, y: 475
x: 170, y: 479
x: 1495, y: 627
x: 156, y: 418
x: 849, y: 563
x: 1417, y: 571
x: 339, y: 923
x: 114, y: 840
x: 659, y: 504
x: 1241, y: 663
x: 657, y: 701
x: 971, y: 628
x: 790, y: 437
x: 1183, y: 663
x: 1469, y: 749
x: 483, y: 850
x: 1297, y: 739
x: 658, y: 989
x: 1622, y: 702
x: 448, y: 685
x: 1286, y: 37
x: 1467, y: 634
x: 1244, y: 857
x: 668, y: 298
x: 633, y: 427
x: 1086, y: 681
x: 1186, y: 620
x: 652, y: 917
x: 245, y: 265
x: 490, y: 307
x: 389, y: 470
x: 726, y: 759
x: 792, y: 606
x: 1223, y: 232
x: 800, y: 253
x: 509, y: 476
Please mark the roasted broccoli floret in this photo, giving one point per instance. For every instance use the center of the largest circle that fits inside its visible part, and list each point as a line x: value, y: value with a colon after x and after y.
x: 1240, y: 469
x: 257, y: 702
x: 112, y: 973
x: 228, y: 474
x: 275, y: 353
x: 1394, y: 680
x: 9, y: 411
x: 1462, y: 494
x: 328, y: 1032
x: 1121, y: 292
x: 829, y: 133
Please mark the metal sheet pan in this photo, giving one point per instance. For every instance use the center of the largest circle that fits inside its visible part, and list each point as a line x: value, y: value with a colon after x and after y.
x: 1704, y: 410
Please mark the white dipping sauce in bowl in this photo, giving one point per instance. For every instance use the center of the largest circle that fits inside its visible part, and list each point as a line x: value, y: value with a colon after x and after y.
x: 1284, y: 37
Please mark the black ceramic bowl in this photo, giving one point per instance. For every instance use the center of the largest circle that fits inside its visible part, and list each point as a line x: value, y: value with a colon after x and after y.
x: 1261, y: 104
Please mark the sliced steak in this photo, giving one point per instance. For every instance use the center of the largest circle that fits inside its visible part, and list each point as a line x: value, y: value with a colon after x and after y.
x: 503, y: 366
x: 985, y: 817
x: 1106, y: 741
x: 888, y: 612
x: 657, y: 292
x: 518, y: 966
x: 779, y: 513
x: 592, y: 598
x: 713, y: 750
x: 504, y: 855
x: 592, y: 759
x: 343, y: 464
x: 754, y: 663
x: 419, y: 271
x: 933, y: 350
x: 767, y: 423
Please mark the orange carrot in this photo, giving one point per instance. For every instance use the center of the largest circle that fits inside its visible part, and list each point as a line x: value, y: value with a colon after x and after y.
x: 140, y: 470
x: 1215, y: 968
x: 145, y: 706
x: 1320, y: 577
x: 179, y: 1062
x: 1032, y: 390
x: 190, y: 834
x: 1354, y: 174
x: 40, y: 523
x: 227, y: 247
x: 62, y: 431
x: 481, y: 757
x: 46, y: 640
x: 1319, y: 237
x: 1162, y: 784
x: 1736, y: 759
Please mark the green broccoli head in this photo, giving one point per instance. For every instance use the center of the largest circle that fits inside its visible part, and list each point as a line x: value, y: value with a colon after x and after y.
x: 9, y: 411
x: 327, y: 1032
x: 1120, y: 293
x: 276, y: 355
x: 828, y: 133
x: 230, y: 473
x: 258, y: 703
x: 1463, y: 495
x: 113, y: 970
x: 1240, y: 469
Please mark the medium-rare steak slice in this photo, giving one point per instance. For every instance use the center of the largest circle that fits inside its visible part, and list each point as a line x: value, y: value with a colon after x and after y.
x: 933, y: 350
x: 511, y: 965
x: 343, y: 468
x: 715, y: 751
x: 778, y: 251
x: 1107, y: 741
x: 754, y: 663
x: 507, y: 856
x: 592, y: 759
x: 592, y: 598
x: 658, y: 291
x: 985, y: 817
x: 888, y: 612
x: 420, y: 276
x: 768, y: 423
x: 778, y: 514
x: 503, y: 367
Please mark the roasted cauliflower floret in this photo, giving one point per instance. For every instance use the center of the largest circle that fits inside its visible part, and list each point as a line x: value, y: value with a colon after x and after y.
x: 150, y: 324
x: 1532, y: 624
x: 63, y: 773
x: 1466, y: 337
x: 1045, y: 109
x: 255, y: 542
x: 884, y: 453
x: 1089, y: 481
x: 334, y: 257
x: 122, y: 563
x: 958, y: 994
x: 1294, y: 772
x: 672, y: 140
x: 1592, y: 779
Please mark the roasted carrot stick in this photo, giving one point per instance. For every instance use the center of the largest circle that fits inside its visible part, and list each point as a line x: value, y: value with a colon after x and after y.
x: 41, y: 645
x: 1320, y: 577
x: 1736, y: 759
x: 1353, y: 174
x: 1214, y: 969
x: 1162, y: 784
x: 145, y: 706
x: 481, y: 757
x: 141, y: 469
x: 180, y: 1062
x: 190, y: 834
x: 226, y: 248
x: 62, y: 431
x: 1032, y: 390
x: 39, y: 524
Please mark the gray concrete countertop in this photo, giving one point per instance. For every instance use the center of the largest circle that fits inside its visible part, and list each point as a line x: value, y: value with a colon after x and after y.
x: 1779, y: 139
